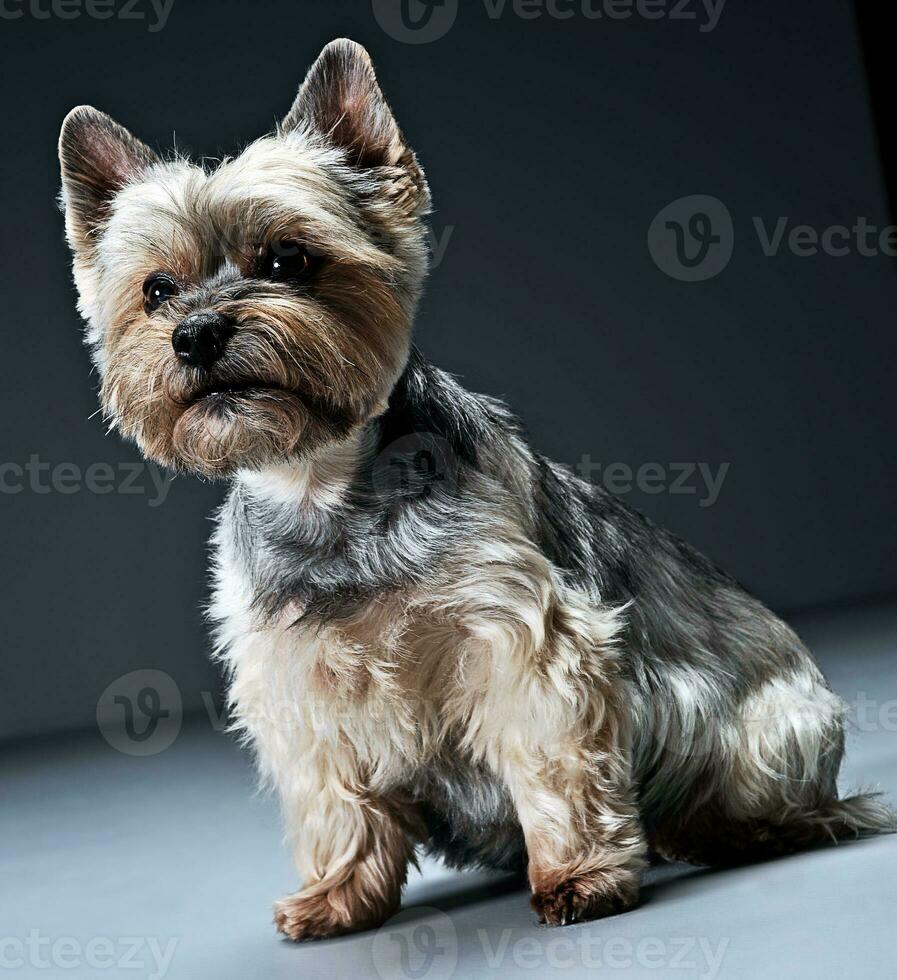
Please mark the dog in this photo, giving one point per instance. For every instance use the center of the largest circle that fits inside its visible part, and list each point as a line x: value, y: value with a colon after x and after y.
x: 434, y: 636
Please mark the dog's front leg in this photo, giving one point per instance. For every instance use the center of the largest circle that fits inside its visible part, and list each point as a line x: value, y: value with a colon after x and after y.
x: 353, y: 848
x: 584, y: 842
x: 554, y: 725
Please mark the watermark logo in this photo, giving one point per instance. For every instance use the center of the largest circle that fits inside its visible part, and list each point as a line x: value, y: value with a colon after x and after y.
x: 692, y: 238
x: 422, y: 944
x: 415, y: 21
x: 141, y: 713
x: 424, y: 21
x: 417, y: 944
x: 415, y: 467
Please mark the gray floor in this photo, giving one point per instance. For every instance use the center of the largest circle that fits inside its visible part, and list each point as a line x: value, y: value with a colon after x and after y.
x: 167, y: 865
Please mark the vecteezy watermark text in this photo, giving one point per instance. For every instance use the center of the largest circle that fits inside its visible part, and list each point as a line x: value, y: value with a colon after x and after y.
x: 694, y: 479
x: 684, y: 10
x: 595, y: 951
x: 422, y: 944
x: 42, y: 477
x: 863, y: 237
x: 125, y: 953
x: 141, y: 714
x: 154, y: 12
x: 692, y: 239
x: 424, y: 21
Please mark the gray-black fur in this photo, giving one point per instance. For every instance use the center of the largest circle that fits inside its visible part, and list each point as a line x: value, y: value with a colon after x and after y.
x: 683, y: 612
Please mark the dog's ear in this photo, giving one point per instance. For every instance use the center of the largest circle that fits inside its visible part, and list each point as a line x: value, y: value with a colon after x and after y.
x: 342, y: 100
x: 98, y: 157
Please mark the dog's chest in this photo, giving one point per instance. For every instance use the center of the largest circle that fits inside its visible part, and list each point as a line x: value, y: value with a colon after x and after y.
x: 385, y: 679
x: 300, y: 691
x: 371, y: 681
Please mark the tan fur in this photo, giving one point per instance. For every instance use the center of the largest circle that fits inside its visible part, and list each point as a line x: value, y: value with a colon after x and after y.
x: 498, y: 657
x: 341, y: 349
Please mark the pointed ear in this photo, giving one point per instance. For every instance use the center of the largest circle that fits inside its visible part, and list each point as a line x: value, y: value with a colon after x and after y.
x: 341, y: 99
x: 98, y: 157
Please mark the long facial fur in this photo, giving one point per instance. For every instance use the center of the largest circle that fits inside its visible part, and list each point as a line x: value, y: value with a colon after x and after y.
x: 337, y: 177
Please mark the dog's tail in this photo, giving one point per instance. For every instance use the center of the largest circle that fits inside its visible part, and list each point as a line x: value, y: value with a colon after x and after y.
x: 860, y: 815
x: 712, y: 837
x: 829, y: 821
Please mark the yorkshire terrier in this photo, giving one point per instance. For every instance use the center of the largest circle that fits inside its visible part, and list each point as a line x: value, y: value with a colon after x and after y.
x: 434, y: 636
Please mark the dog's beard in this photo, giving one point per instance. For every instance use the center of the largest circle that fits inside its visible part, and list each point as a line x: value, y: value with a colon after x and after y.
x: 213, y: 426
x: 292, y: 378
x: 225, y: 431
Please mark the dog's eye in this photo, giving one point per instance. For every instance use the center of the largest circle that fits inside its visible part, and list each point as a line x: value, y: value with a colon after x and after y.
x: 287, y: 261
x: 158, y: 290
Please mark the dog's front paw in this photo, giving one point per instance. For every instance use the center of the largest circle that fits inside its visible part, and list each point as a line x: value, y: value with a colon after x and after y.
x: 321, y: 914
x: 560, y: 899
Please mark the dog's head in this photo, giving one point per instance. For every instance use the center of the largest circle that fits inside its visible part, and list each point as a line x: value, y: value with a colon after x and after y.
x: 254, y: 312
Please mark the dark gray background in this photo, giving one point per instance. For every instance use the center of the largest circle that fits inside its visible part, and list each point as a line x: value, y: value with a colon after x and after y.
x: 550, y: 146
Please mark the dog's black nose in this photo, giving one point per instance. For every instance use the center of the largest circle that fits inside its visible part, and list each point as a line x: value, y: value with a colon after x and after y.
x: 200, y: 339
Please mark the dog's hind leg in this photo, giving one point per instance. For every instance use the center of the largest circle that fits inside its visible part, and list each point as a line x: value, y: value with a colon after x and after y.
x: 778, y: 791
